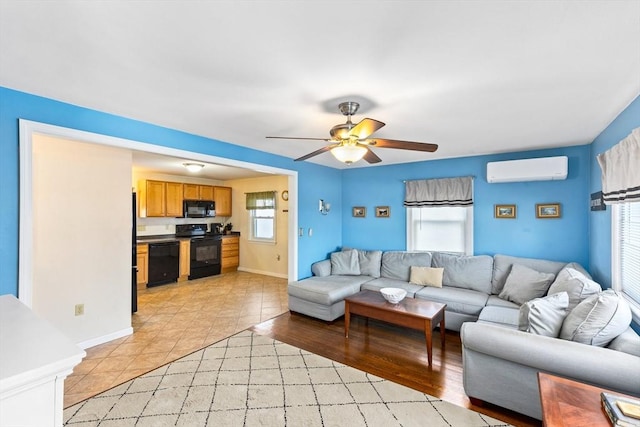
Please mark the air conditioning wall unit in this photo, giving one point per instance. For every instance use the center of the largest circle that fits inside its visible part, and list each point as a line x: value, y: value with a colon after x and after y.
x: 537, y: 169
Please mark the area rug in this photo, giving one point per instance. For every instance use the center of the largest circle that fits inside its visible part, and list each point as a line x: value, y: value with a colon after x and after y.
x: 252, y: 380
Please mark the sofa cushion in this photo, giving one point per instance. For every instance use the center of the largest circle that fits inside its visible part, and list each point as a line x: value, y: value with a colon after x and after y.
x: 383, y: 282
x: 321, y: 268
x: 345, y: 263
x: 495, y: 300
x: 458, y: 300
x: 502, y: 267
x: 326, y: 290
x: 370, y: 262
x: 503, y: 316
x: 597, y: 320
x: 544, y: 316
x: 469, y: 272
x: 580, y: 268
x: 524, y: 284
x: 426, y: 276
x: 397, y: 264
x: 575, y: 284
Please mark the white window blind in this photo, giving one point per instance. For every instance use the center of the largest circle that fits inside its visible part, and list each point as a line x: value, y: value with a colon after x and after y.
x: 262, y: 216
x: 445, y: 229
x: 627, y: 256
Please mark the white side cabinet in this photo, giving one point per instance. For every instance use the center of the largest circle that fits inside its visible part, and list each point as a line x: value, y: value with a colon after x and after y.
x: 35, y: 358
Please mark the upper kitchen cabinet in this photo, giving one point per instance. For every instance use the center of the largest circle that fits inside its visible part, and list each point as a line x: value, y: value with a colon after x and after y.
x: 222, y: 197
x: 197, y: 192
x: 160, y: 198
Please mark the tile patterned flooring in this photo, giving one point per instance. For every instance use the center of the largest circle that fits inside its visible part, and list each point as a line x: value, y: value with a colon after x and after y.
x: 175, y: 320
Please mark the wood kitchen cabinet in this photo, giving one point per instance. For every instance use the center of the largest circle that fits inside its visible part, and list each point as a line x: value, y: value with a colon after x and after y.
x: 142, y: 257
x: 222, y: 197
x: 185, y: 259
x: 230, y: 256
x: 197, y: 192
x: 160, y: 198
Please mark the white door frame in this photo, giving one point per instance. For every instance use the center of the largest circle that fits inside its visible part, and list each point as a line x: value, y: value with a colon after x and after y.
x: 29, y: 128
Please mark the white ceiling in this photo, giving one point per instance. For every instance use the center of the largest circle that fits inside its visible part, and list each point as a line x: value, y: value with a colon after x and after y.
x: 475, y: 77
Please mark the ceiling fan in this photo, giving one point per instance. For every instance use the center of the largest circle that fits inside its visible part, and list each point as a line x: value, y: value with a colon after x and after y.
x: 351, y: 142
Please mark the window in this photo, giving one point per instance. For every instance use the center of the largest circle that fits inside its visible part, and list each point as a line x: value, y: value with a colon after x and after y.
x: 262, y: 216
x: 446, y: 229
x: 625, y: 251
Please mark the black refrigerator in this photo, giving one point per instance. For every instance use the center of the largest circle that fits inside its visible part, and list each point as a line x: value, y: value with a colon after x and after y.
x: 134, y: 257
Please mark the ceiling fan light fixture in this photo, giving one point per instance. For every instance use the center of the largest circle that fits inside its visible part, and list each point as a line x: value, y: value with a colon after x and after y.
x: 193, y: 167
x: 348, y: 153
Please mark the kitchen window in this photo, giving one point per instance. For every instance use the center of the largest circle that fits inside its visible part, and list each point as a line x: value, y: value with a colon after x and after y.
x: 262, y: 216
x: 625, y: 252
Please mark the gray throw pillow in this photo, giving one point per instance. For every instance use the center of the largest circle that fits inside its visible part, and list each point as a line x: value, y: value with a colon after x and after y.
x: 524, y: 284
x: 597, y: 320
x: 370, y: 262
x: 345, y: 263
x: 576, y: 284
x: 544, y: 316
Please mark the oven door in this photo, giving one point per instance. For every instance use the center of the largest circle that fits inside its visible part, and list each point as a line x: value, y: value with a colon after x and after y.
x: 205, y: 257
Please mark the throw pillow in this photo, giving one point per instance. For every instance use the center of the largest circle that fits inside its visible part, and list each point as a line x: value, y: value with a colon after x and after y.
x: 426, y: 276
x: 544, y: 316
x: 345, y: 263
x: 369, y: 262
x: 524, y: 284
x: 597, y: 320
x: 576, y: 284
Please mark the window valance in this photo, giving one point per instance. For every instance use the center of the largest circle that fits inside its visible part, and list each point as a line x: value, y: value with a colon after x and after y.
x: 621, y: 170
x: 261, y: 200
x: 439, y: 192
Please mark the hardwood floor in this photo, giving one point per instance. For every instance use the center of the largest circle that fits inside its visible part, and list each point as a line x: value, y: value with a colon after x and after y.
x: 391, y: 352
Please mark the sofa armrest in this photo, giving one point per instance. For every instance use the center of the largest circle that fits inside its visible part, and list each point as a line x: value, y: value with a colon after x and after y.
x: 321, y: 268
x: 595, y: 365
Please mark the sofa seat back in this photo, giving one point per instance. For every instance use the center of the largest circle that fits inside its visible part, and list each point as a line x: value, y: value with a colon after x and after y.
x: 502, y: 267
x: 466, y: 272
x: 397, y: 264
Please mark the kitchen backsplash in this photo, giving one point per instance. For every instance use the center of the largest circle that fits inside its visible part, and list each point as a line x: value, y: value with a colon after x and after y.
x: 161, y: 226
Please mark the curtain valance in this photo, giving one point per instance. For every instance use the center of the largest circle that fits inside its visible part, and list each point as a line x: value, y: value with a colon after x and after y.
x: 439, y: 192
x: 261, y: 200
x: 621, y: 170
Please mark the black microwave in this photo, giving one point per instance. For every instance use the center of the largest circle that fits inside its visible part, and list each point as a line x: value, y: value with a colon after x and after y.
x: 199, y: 209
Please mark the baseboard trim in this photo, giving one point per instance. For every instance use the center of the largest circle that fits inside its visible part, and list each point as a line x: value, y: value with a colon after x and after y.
x: 265, y: 273
x: 105, y: 338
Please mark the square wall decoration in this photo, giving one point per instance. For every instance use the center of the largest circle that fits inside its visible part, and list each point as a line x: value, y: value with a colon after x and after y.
x: 383, y: 212
x: 359, y: 211
x: 548, y: 210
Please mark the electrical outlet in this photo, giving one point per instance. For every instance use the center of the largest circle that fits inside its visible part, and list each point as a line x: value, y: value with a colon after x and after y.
x: 79, y: 309
x: 278, y: 257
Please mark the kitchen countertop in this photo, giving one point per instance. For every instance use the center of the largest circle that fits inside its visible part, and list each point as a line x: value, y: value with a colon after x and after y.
x: 142, y: 240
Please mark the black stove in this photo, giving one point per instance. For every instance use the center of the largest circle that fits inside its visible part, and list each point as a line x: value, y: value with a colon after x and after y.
x: 205, y: 249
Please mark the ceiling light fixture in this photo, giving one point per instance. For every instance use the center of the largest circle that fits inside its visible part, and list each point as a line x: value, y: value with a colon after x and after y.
x: 348, y: 153
x: 193, y: 167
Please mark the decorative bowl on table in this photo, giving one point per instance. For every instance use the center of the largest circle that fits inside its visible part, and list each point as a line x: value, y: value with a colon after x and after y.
x: 393, y: 295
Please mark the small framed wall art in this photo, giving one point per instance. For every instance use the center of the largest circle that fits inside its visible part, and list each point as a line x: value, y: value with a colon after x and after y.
x: 383, y: 212
x: 504, y: 211
x: 359, y: 211
x: 548, y: 210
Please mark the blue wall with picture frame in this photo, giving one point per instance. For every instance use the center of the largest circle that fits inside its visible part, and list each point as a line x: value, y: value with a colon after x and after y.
x: 561, y: 239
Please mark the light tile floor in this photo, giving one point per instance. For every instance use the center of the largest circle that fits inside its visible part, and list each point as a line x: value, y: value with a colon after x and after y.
x: 174, y: 320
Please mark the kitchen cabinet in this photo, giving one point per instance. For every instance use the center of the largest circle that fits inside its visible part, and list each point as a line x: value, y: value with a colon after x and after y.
x: 142, y: 257
x: 230, y: 254
x: 185, y: 259
x: 197, y: 192
x: 160, y: 198
x: 222, y: 197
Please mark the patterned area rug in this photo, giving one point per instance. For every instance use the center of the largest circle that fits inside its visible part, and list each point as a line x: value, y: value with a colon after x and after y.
x: 252, y: 380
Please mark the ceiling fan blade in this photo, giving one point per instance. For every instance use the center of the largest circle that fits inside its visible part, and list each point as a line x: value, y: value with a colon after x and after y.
x: 295, y: 137
x: 365, y: 128
x: 371, y: 157
x: 403, y: 145
x: 315, y: 153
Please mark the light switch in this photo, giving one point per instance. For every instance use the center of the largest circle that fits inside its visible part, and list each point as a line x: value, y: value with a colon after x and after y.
x: 301, y: 232
x: 310, y: 232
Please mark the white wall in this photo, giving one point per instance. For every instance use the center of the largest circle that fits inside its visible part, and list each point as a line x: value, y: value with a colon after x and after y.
x: 82, y: 237
x: 257, y: 257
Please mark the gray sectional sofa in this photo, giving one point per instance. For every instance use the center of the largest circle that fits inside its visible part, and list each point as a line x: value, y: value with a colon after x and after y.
x: 516, y: 316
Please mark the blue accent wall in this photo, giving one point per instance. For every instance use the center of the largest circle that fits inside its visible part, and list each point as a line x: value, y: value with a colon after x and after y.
x: 314, y: 181
x: 600, y: 221
x: 563, y: 239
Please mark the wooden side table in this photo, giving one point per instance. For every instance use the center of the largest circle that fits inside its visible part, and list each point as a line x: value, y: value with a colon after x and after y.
x: 570, y: 403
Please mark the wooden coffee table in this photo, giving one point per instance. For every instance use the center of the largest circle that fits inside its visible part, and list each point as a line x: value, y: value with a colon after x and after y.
x: 410, y: 312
